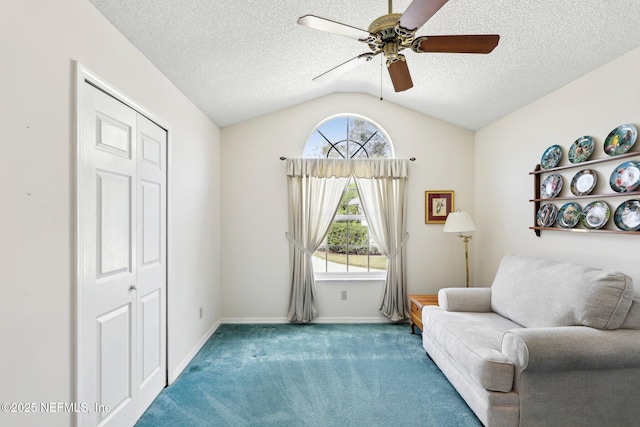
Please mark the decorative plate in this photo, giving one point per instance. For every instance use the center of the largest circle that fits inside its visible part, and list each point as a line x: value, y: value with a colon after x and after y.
x: 551, y: 157
x: 569, y: 215
x: 581, y: 149
x: 627, y: 215
x: 547, y: 215
x: 595, y: 215
x: 620, y: 140
x: 551, y: 186
x: 625, y: 177
x: 583, y: 182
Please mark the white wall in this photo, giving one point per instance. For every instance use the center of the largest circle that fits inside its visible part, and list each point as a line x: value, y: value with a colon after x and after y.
x: 38, y: 42
x: 255, y: 251
x: 506, y: 151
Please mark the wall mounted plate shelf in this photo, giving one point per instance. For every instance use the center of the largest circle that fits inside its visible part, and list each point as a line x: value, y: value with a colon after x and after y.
x: 538, y: 200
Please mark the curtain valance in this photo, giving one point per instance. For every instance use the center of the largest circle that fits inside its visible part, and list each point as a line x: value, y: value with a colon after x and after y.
x: 340, y: 168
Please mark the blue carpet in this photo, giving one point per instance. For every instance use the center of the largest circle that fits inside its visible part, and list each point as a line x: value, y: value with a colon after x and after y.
x: 310, y: 375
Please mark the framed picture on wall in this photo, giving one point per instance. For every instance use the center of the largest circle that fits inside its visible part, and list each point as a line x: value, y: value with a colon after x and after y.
x: 437, y: 205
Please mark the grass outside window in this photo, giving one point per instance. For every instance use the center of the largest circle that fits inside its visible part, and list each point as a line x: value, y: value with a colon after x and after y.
x: 376, y: 262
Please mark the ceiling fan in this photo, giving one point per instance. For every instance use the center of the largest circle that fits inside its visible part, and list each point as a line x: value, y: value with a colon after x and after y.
x: 394, y: 32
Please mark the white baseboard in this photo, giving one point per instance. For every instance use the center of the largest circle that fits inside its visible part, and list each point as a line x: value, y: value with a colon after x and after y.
x: 245, y: 320
x: 351, y: 320
x: 175, y: 373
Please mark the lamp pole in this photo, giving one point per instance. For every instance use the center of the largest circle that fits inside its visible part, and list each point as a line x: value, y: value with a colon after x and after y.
x: 466, y: 239
x: 461, y: 222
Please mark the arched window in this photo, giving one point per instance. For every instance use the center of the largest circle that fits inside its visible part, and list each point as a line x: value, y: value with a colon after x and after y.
x: 348, y: 247
x: 348, y: 137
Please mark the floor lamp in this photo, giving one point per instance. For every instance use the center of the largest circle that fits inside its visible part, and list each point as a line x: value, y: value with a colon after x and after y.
x: 461, y: 222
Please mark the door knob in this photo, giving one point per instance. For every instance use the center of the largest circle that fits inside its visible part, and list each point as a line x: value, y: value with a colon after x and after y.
x: 133, y: 287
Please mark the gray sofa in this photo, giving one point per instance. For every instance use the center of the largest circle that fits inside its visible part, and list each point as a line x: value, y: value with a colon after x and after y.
x: 548, y: 344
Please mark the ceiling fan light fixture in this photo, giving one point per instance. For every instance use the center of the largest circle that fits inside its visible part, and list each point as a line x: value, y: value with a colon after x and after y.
x: 390, y: 51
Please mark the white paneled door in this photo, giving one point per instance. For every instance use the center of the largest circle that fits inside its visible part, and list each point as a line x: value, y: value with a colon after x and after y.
x: 122, y: 260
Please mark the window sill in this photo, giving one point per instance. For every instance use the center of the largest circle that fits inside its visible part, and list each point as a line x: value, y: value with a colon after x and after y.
x: 350, y: 277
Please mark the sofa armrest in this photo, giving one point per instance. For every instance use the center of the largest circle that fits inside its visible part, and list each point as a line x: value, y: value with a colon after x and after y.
x: 465, y: 299
x: 571, y: 348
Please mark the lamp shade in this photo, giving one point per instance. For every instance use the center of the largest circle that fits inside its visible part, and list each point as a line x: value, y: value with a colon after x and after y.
x: 459, y: 222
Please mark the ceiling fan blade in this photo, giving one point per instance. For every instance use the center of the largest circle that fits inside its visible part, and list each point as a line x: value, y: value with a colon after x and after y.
x: 399, y: 73
x: 344, y: 67
x: 456, y: 44
x: 333, y: 27
x: 419, y: 12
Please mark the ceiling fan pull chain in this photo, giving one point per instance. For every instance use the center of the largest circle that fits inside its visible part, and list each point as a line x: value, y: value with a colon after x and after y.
x: 381, y: 65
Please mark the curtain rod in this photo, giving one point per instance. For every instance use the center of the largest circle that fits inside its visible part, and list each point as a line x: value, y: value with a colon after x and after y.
x: 413, y: 159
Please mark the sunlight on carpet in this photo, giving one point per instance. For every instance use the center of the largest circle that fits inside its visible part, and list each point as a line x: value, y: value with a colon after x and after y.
x: 310, y: 375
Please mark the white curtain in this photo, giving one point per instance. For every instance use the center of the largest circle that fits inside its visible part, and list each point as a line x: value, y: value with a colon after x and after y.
x: 383, y: 199
x: 315, y: 189
x: 314, y: 196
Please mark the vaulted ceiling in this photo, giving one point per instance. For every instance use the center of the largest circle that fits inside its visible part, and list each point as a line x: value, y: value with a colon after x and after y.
x: 240, y: 59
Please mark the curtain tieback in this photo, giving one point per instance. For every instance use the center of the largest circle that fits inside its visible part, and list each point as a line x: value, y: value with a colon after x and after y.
x: 298, y: 245
x: 396, y: 250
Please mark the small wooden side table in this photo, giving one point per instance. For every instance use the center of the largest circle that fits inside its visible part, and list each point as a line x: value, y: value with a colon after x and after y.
x: 417, y: 302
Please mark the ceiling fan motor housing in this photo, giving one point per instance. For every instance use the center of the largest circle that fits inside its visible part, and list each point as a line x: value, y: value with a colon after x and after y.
x: 388, y: 37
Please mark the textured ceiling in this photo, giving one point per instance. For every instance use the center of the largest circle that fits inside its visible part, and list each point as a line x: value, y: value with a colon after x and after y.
x: 241, y: 59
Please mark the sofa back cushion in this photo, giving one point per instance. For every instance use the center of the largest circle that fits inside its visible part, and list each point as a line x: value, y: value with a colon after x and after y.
x: 540, y: 293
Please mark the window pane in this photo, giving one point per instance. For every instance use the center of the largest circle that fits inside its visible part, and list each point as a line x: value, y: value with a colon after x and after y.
x: 328, y: 262
x: 336, y: 151
x: 348, y: 246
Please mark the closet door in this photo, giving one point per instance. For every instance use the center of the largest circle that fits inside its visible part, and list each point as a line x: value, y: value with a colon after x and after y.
x: 122, y: 254
x: 151, y: 262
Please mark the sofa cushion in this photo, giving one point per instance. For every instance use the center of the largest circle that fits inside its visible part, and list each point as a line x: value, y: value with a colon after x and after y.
x: 474, y: 340
x: 632, y: 321
x: 465, y: 299
x: 540, y: 293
